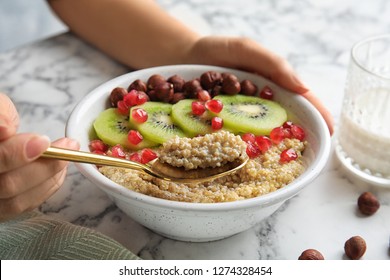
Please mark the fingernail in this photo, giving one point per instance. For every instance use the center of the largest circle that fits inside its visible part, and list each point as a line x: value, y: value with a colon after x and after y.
x: 74, y: 144
x: 301, y: 88
x: 3, y: 125
x: 36, y: 146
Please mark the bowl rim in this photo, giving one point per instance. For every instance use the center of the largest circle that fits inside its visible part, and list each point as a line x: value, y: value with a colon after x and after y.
x: 271, y: 198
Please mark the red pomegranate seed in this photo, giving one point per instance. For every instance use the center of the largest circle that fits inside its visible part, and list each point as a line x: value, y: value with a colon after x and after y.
x: 139, y: 115
x: 141, y: 98
x: 288, y: 155
x: 203, y: 95
x: 147, y: 155
x: 252, y: 150
x: 214, y: 105
x: 123, y: 108
x: 98, y: 145
x: 131, y: 98
x: 278, y: 134
x: 198, y: 108
x: 216, y: 123
x: 297, y: 132
x: 248, y: 137
x: 264, y: 143
x: 117, y: 151
x: 287, y: 124
x: 135, y: 157
x: 267, y: 93
x: 134, y: 137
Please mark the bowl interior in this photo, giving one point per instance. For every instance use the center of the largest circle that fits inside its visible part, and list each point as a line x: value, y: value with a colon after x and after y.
x: 79, y: 126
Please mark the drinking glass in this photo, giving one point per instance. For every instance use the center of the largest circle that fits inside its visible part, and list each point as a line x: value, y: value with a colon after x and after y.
x: 363, y: 135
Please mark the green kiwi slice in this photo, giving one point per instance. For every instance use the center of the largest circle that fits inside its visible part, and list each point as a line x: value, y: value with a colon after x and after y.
x: 191, y: 124
x: 112, y: 128
x: 243, y: 114
x: 159, y: 126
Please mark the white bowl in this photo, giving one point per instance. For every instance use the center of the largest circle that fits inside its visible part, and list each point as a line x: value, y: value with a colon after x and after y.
x: 200, y: 222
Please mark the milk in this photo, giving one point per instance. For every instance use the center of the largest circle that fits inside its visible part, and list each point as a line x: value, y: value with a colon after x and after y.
x: 364, y: 133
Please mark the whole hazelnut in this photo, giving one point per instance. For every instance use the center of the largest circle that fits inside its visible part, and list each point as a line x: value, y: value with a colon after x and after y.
x: 190, y: 88
x: 177, y: 83
x: 368, y: 204
x: 311, y: 254
x: 210, y: 79
x: 164, y: 91
x: 154, y: 80
x: 248, y: 88
x: 137, y: 85
x: 116, y: 95
x: 177, y: 96
x: 355, y: 247
x: 230, y: 84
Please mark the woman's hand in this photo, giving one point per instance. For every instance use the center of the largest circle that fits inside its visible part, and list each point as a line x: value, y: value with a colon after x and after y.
x: 25, y: 180
x: 246, y: 54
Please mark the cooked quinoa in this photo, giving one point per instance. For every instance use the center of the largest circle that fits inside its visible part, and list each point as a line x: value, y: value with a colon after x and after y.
x: 211, y: 150
x: 259, y: 176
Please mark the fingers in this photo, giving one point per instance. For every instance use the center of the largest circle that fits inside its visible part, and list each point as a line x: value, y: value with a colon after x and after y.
x: 27, y: 185
x: 32, y: 198
x: 21, y: 149
x: 9, y: 118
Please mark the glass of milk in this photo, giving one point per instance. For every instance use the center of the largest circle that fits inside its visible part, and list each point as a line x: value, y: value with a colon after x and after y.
x: 363, y: 135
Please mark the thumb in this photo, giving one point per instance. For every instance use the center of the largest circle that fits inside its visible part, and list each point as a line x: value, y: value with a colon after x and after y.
x: 9, y: 117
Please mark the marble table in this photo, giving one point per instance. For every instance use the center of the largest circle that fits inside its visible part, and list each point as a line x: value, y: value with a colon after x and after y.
x: 46, y: 79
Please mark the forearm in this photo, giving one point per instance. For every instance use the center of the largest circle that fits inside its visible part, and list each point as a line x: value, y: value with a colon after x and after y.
x: 137, y: 33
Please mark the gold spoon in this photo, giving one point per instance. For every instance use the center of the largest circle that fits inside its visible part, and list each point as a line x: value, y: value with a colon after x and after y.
x: 154, y: 168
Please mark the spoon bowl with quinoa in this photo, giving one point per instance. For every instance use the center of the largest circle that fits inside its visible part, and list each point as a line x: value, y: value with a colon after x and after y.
x: 199, y: 118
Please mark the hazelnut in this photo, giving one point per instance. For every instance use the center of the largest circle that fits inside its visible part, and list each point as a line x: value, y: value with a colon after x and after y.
x: 154, y: 80
x: 311, y: 254
x: 116, y: 95
x: 368, y: 204
x: 164, y: 91
x: 210, y: 79
x: 355, y: 247
x: 177, y: 96
x: 190, y: 88
x: 230, y: 84
x: 137, y: 85
x: 248, y: 88
x: 177, y: 83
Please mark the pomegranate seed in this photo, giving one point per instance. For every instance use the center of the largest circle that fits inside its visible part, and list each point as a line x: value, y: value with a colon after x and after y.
x: 117, y: 151
x: 142, y: 97
x: 139, y: 115
x: 123, y: 108
x: 287, y: 124
x: 98, y: 145
x: 248, y: 137
x: 216, y: 123
x: 203, y: 95
x: 147, y: 155
x: 134, y: 137
x: 214, y: 105
x: 198, y: 108
x: 288, y: 155
x: 135, y: 157
x: 297, y: 132
x: 278, y: 134
x: 131, y: 98
x: 267, y: 93
x: 264, y: 143
x: 252, y: 150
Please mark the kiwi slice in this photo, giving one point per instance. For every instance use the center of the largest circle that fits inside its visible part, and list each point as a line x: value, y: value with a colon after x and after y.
x: 159, y: 126
x: 112, y: 128
x: 191, y: 124
x: 243, y: 114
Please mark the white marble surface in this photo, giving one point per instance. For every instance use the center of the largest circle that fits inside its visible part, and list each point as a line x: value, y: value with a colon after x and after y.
x: 46, y: 79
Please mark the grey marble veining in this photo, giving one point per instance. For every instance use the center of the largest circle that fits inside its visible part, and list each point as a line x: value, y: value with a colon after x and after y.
x: 46, y: 80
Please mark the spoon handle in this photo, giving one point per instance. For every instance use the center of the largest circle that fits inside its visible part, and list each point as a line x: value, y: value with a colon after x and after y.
x: 85, y: 157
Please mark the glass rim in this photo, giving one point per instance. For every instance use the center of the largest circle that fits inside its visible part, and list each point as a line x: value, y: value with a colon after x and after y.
x: 362, y: 42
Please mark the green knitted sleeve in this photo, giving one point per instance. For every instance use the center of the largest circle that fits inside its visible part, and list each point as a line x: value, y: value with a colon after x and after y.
x: 40, y: 237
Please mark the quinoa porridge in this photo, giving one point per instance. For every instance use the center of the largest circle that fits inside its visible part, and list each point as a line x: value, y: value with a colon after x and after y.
x: 261, y: 175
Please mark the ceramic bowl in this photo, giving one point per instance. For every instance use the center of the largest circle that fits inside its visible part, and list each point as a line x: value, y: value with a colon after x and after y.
x: 199, y: 222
